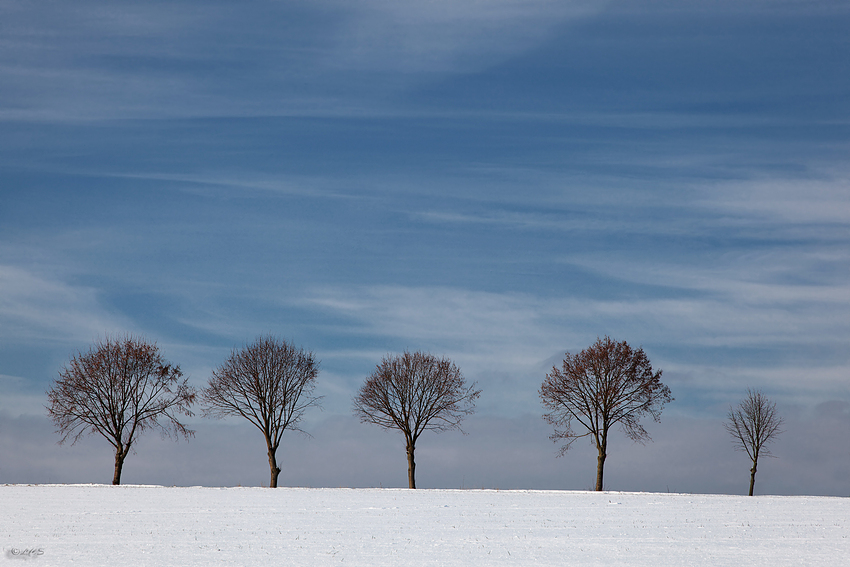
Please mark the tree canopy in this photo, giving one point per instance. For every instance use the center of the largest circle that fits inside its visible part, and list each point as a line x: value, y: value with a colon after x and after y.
x: 606, y: 384
x: 120, y: 388
x: 270, y: 383
x: 415, y: 392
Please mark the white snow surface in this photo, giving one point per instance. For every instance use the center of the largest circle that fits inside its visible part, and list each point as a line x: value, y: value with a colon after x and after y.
x: 160, y: 526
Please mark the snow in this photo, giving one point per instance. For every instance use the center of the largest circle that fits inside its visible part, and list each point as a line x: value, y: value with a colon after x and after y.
x: 157, y: 526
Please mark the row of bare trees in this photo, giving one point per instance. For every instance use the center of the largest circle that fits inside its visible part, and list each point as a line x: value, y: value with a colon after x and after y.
x: 123, y: 386
x: 610, y: 383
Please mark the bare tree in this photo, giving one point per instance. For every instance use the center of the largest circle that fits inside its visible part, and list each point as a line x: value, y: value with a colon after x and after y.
x: 270, y: 383
x: 119, y: 388
x: 753, y: 424
x: 607, y: 383
x: 415, y: 393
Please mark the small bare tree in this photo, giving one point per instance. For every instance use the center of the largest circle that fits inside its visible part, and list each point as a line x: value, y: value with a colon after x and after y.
x: 119, y: 388
x: 415, y: 393
x: 753, y: 424
x: 608, y: 383
x: 270, y: 383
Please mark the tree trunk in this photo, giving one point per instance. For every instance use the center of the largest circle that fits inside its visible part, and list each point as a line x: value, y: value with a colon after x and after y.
x: 600, y: 459
x: 753, y: 476
x: 120, y: 455
x: 600, y: 468
x: 275, y: 470
x: 411, y: 466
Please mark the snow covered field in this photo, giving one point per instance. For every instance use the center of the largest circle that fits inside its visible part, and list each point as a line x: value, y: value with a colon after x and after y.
x: 161, y: 526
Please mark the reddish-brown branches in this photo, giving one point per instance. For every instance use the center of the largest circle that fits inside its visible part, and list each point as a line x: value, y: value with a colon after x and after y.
x: 608, y: 383
x: 415, y: 393
x: 119, y: 389
x: 753, y: 424
x: 270, y: 383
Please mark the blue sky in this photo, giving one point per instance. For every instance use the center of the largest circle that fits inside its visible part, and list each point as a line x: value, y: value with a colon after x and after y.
x: 494, y: 181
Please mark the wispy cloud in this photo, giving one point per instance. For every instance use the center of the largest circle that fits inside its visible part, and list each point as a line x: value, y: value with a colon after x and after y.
x: 96, y: 60
x: 719, y: 312
x: 35, y: 307
x: 823, y: 198
x: 517, y: 335
x: 453, y: 319
x: 448, y: 36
